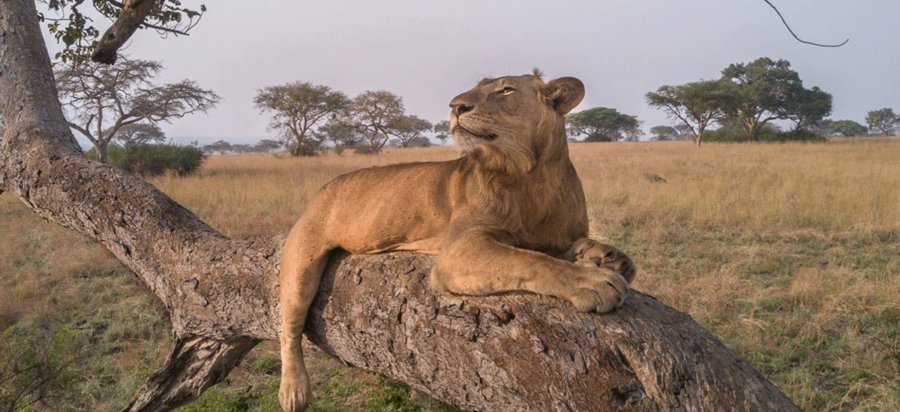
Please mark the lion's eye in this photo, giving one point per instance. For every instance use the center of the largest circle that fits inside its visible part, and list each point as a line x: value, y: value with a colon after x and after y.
x: 506, y: 90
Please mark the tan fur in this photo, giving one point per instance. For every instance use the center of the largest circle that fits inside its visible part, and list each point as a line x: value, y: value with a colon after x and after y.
x: 509, y: 215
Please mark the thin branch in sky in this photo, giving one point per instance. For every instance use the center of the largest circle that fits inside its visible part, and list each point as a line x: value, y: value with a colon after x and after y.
x: 795, y: 36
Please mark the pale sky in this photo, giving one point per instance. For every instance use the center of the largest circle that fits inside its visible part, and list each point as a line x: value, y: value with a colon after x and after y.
x: 428, y: 51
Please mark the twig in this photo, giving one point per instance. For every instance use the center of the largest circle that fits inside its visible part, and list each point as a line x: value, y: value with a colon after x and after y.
x: 795, y: 36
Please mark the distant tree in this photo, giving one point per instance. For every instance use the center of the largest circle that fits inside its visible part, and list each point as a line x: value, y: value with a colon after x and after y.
x: 696, y: 105
x: 847, y: 128
x: 220, y: 147
x: 601, y: 124
x: 663, y: 133
x: 821, y: 127
x: 420, y: 141
x: 340, y: 133
x: 241, y: 148
x: 684, y: 132
x: 267, y: 145
x: 633, y: 133
x: 100, y: 99
x: 409, y: 128
x: 297, y: 108
x: 883, y: 121
x: 770, y: 90
x: 442, y: 130
x: 374, y: 114
x: 138, y: 133
x: 811, y: 106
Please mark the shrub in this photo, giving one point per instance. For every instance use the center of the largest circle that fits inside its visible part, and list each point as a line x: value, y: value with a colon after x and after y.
x: 154, y: 159
x: 766, y: 135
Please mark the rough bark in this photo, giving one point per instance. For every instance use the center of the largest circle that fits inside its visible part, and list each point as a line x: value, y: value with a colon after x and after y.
x: 130, y: 18
x: 505, y: 353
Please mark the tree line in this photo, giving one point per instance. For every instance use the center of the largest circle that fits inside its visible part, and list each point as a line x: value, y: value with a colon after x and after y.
x: 122, y: 105
x: 748, y: 97
x: 307, y: 116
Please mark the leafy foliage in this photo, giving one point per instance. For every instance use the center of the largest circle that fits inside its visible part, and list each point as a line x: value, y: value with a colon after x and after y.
x: 68, y: 23
x: 101, y: 99
x: 769, y: 133
x: 409, y: 129
x: 138, y: 133
x: 154, y: 159
x: 442, y: 130
x: 340, y: 133
x: 663, y: 133
x: 601, y: 124
x: 375, y: 115
x: 769, y: 90
x: 297, y: 108
x: 883, y: 121
x: 34, y: 368
x: 695, y: 105
x: 847, y: 128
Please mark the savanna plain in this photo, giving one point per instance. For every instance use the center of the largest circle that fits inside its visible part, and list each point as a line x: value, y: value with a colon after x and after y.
x: 790, y: 253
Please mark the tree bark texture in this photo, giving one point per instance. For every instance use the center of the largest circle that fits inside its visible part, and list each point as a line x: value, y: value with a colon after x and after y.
x: 504, y: 353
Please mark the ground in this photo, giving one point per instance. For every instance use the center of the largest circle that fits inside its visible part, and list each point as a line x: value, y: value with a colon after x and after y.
x: 788, y: 252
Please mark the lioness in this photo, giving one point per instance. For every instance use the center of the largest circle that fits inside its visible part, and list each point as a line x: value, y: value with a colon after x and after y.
x: 509, y: 215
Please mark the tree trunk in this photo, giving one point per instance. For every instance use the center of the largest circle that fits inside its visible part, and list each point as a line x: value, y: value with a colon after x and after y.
x: 506, y: 353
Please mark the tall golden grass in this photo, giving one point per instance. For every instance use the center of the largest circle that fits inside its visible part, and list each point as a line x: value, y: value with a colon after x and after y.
x: 789, y: 252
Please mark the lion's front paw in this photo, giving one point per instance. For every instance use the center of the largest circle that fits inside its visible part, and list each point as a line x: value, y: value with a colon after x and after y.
x: 606, y: 257
x: 602, y: 292
x: 294, y: 394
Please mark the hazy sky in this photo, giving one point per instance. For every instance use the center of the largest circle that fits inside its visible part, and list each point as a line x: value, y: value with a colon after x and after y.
x: 428, y: 51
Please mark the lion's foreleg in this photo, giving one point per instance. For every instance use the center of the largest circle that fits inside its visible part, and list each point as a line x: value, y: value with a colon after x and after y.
x: 589, y: 251
x: 476, y: 264
x: 302, y: 264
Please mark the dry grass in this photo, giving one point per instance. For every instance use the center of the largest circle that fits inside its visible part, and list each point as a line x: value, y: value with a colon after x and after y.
x: 789, y: 252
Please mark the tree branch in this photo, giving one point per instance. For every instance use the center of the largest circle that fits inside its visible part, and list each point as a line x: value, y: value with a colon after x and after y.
x: 795, y: 36
x: 515, y: 352
x: 195, y: 364
x: 130, y: 18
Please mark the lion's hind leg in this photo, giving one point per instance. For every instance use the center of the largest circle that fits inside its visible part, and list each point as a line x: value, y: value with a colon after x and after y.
x: 303, y: 262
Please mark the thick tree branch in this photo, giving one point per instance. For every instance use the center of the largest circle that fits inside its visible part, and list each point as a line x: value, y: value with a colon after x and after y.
x: 130, y: 18
x: 195, y: 364
x: 504, y: 353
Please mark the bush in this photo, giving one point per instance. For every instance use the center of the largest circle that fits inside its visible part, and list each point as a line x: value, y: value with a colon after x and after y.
x: 365, y: 150
x: 154, y: 159
x: 766, y: 135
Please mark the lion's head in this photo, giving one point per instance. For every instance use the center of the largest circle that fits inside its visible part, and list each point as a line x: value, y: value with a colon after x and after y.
x: 519, y: 116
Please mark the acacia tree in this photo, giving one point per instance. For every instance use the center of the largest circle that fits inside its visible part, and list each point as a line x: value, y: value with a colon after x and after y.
x: 442, y: 130
x: 297, y: 108
x: 137, y: 134
x: 663, y: 133
x: 374, y: 115
x: 102, y: 98
x: 339, y: 132
x: 847, y: 128
x: 409, y: 129
x: 883, y: 121
x: 811, y: 106
x: 378, y: 311
x: 695, y: 105
x: 602, y: 124
x: 769, y: 90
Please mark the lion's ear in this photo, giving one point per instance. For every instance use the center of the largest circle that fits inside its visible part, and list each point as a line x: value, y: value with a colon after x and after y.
x: 565, y: 93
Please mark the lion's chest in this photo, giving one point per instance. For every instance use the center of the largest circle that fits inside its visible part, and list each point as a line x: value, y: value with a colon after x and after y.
x: 545, y: 220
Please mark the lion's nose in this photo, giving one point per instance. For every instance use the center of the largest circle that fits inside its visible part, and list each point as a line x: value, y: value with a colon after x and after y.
x: 459, y: 109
